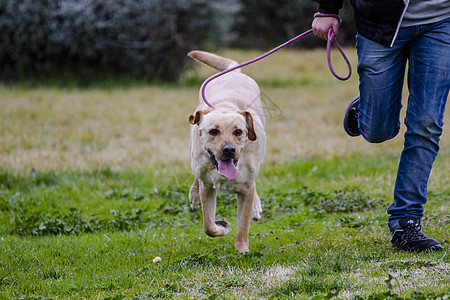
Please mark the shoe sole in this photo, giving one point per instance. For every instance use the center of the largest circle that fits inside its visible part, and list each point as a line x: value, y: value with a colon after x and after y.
x: 347, y: 112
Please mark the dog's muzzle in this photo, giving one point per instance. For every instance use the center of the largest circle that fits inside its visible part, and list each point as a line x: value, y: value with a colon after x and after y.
x: 226, y: 167
x: 228, y: 152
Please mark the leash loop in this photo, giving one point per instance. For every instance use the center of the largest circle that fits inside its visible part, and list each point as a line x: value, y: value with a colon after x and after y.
x: 331, y: 39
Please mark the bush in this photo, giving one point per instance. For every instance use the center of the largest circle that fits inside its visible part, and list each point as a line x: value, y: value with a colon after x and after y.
x: 266, y: 23
x: 128, y: 37
x: 87, y: 39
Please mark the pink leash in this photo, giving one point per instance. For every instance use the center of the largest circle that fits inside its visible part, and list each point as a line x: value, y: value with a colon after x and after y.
x: 330, y: 40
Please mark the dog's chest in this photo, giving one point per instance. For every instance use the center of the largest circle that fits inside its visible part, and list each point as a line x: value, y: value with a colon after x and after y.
x: 225, y: 186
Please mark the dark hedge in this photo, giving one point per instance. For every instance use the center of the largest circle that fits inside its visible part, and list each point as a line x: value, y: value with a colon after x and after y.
x: 141, y: 38
x: 267, y: 23
x: 132, y: 37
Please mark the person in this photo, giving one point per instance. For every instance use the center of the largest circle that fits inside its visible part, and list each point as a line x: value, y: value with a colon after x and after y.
x: 391, y: 33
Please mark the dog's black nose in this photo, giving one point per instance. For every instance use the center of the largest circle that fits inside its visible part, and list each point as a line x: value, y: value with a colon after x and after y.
x: 228, y: 151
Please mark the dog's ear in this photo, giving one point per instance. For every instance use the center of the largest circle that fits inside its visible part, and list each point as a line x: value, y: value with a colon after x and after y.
x: 249, y: 120
x: 195, y: 119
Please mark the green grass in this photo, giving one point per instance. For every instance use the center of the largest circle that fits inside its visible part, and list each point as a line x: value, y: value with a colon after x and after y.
x: 94, y: 186
x: 94, y: 234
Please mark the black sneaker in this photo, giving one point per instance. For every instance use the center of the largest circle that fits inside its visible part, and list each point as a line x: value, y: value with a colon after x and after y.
x: 351, y: 117
x: 407, y: 235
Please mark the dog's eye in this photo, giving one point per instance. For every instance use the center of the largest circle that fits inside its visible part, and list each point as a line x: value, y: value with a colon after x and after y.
x: 237, y: 132
x: 214, y: 132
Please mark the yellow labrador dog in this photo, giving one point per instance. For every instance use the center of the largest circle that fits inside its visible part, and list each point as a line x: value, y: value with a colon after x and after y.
x: 227, y: 147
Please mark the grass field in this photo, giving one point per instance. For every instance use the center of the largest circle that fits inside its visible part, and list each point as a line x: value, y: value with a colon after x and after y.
x: 94, y: 188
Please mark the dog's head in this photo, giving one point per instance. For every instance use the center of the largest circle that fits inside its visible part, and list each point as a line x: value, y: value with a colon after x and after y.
x: 224, y: 135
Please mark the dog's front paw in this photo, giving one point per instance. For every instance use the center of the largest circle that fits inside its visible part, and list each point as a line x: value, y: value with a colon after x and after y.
x: 223, y: 226
x: 194, y: 197
x: 241, y: 246
x: 219, y: 228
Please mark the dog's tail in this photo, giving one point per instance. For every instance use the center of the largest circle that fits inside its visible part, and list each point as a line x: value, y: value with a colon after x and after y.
x: 217, y: 62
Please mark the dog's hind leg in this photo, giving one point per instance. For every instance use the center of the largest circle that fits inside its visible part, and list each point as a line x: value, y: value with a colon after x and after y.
x: 194, y: 195
x: 211, y: 227
x: 256, y: 208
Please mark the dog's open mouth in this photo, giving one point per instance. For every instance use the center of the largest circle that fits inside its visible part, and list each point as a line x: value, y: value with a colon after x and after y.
x: 226, y: 168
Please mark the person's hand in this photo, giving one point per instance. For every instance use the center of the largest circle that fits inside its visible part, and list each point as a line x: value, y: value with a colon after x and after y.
x: 321, y: 25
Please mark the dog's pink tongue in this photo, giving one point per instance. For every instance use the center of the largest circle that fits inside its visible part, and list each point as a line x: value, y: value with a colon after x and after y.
x: 227, y: 169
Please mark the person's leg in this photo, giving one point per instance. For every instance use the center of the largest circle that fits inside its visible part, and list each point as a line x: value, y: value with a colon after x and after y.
x: 428, y: 83
x: 381, y: 74
x: 378, y: 119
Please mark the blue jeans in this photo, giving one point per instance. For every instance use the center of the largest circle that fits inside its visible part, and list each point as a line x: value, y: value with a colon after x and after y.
x: 382, y: 70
